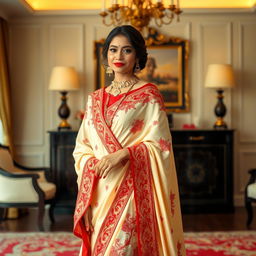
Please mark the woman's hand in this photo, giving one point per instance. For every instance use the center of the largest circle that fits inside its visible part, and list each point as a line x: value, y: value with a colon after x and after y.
x: 88, y: 220
x: 108, y: 162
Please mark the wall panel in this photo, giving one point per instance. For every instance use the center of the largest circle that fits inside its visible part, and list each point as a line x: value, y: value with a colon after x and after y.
x: 66, y: 48
x: 216, y: 47
x: 27, y: 84
x: 29, y: 159
x: 247, y: 85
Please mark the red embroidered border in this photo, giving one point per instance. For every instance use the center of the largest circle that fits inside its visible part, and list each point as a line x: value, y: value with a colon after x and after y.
x: 104, y: 132
x: 114, y: 214
x: 150, y: 94
x: 126, y: 187
x: 138, y: 177
x: 144, y: 199
x: 83, y: 201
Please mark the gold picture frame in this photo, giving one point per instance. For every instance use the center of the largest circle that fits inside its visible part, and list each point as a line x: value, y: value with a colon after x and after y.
x: 167, y: 67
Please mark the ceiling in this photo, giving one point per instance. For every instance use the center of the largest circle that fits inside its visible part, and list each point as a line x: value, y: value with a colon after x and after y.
x: 14, y: 8
x: 96, y: 4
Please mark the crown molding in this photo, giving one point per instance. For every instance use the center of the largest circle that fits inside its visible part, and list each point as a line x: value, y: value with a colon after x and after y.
x: 185, y: 11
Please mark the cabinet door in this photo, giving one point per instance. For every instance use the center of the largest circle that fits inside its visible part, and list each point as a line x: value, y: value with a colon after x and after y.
x: 66, y: 176
x: 62, y: 165
x: 204, y: 171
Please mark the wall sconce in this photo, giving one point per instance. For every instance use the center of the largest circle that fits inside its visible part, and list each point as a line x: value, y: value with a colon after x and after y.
x: 64, y: 79
x: 220, y: 76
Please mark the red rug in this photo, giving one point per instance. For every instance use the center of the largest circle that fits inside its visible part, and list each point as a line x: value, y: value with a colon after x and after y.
x: 221, y: 243
x: 66, y: 244
x: 39, y: 244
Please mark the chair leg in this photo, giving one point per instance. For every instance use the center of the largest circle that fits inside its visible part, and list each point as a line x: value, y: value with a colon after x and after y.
x: 51, y: 211
x: 3, y: 213
x: 248, y: 206
x: 41, y: 216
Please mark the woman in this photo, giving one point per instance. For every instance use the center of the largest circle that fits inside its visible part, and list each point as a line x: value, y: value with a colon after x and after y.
x: 128, y: 202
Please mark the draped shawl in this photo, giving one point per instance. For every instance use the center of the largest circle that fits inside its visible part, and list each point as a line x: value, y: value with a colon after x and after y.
x: 136, y: 208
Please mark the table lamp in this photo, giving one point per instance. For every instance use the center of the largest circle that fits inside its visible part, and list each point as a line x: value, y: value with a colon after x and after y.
x: 219, y: 77
x: 64, y: 79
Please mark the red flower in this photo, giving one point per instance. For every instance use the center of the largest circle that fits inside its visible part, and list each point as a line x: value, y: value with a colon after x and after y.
x: 165, y: 145
x: 80, y: 114
x: 137, y: 126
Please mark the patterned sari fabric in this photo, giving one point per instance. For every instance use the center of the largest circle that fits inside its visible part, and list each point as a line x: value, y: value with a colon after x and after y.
x: 136, y: 208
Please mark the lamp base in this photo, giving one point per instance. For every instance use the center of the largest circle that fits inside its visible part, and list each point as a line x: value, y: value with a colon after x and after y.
x: 220, y: 111
x: 220, y: 124
x: 64, y: 113
x: 64, y: 125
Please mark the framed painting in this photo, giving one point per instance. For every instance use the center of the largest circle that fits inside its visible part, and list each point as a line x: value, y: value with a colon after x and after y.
x: 166, y: 67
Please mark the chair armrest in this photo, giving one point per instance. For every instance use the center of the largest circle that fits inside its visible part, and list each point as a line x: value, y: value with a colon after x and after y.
x: 18, y: 175
x: 45, y: 175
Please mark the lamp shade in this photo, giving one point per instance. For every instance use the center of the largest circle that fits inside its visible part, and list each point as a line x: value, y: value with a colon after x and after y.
x: 220, y: 76
x: 64, y: 79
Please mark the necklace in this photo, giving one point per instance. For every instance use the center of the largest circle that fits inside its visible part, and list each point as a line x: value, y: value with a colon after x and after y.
x: 108, y: 118
x: 115, y: 87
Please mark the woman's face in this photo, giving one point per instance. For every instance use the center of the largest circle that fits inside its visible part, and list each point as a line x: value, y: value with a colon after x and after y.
x: 121, y: 55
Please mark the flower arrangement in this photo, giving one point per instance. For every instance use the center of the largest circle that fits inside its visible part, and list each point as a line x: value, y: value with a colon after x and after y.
x: 80, y: 115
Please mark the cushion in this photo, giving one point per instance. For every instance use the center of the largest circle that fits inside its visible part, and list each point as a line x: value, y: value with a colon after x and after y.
x: 251, y: 191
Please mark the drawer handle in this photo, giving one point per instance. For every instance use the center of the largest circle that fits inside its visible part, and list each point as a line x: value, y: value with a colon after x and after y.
x: 196, y: 138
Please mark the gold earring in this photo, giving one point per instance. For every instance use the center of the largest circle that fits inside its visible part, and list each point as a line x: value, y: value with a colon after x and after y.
x: 109, y: 71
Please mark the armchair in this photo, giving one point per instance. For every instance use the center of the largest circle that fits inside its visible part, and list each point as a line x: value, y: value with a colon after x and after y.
x: 23, y: 187
x: 250, y: 196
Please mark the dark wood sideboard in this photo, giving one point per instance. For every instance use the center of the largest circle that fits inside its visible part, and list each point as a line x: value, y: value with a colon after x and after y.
x: 204, y: 162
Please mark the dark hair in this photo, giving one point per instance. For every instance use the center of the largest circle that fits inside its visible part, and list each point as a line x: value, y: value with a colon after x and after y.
x: 136, y: 40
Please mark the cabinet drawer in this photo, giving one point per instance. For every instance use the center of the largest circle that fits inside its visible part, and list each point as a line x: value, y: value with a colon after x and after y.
x: 201, y: 137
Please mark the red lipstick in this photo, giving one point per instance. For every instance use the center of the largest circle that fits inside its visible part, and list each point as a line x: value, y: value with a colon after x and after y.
x: 118, y: 64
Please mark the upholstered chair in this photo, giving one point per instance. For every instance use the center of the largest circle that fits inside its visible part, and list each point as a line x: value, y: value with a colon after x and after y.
x: 250, y: 196
x: 23, y: 187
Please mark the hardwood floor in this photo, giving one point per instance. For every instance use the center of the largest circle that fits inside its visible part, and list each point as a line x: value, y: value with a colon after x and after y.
x: 218, y: 222
x: 191, y: 222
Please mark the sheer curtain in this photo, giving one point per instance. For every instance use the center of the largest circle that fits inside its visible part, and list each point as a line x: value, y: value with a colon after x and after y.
x: 5, y: 102
x: 1, y: 133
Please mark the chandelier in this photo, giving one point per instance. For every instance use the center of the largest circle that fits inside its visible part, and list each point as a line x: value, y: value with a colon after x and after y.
x: 139, y: 13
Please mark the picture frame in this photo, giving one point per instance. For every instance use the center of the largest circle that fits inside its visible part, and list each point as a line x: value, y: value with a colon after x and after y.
x: 167, y: 67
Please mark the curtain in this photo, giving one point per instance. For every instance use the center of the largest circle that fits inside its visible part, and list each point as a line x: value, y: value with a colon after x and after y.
x: 5, y: 101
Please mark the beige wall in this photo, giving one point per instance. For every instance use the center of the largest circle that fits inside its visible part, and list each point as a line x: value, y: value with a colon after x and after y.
x: 39, y: 43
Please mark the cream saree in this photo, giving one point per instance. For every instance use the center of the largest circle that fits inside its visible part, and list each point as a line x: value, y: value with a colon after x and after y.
x: 136, y: 208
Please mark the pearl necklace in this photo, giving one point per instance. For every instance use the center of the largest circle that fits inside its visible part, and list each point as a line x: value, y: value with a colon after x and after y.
x: 115, y: 87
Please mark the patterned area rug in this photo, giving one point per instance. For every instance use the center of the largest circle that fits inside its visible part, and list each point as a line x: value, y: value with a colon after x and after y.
x: 66, y: 244
x: 221, y: 243
x: 39, y: 244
